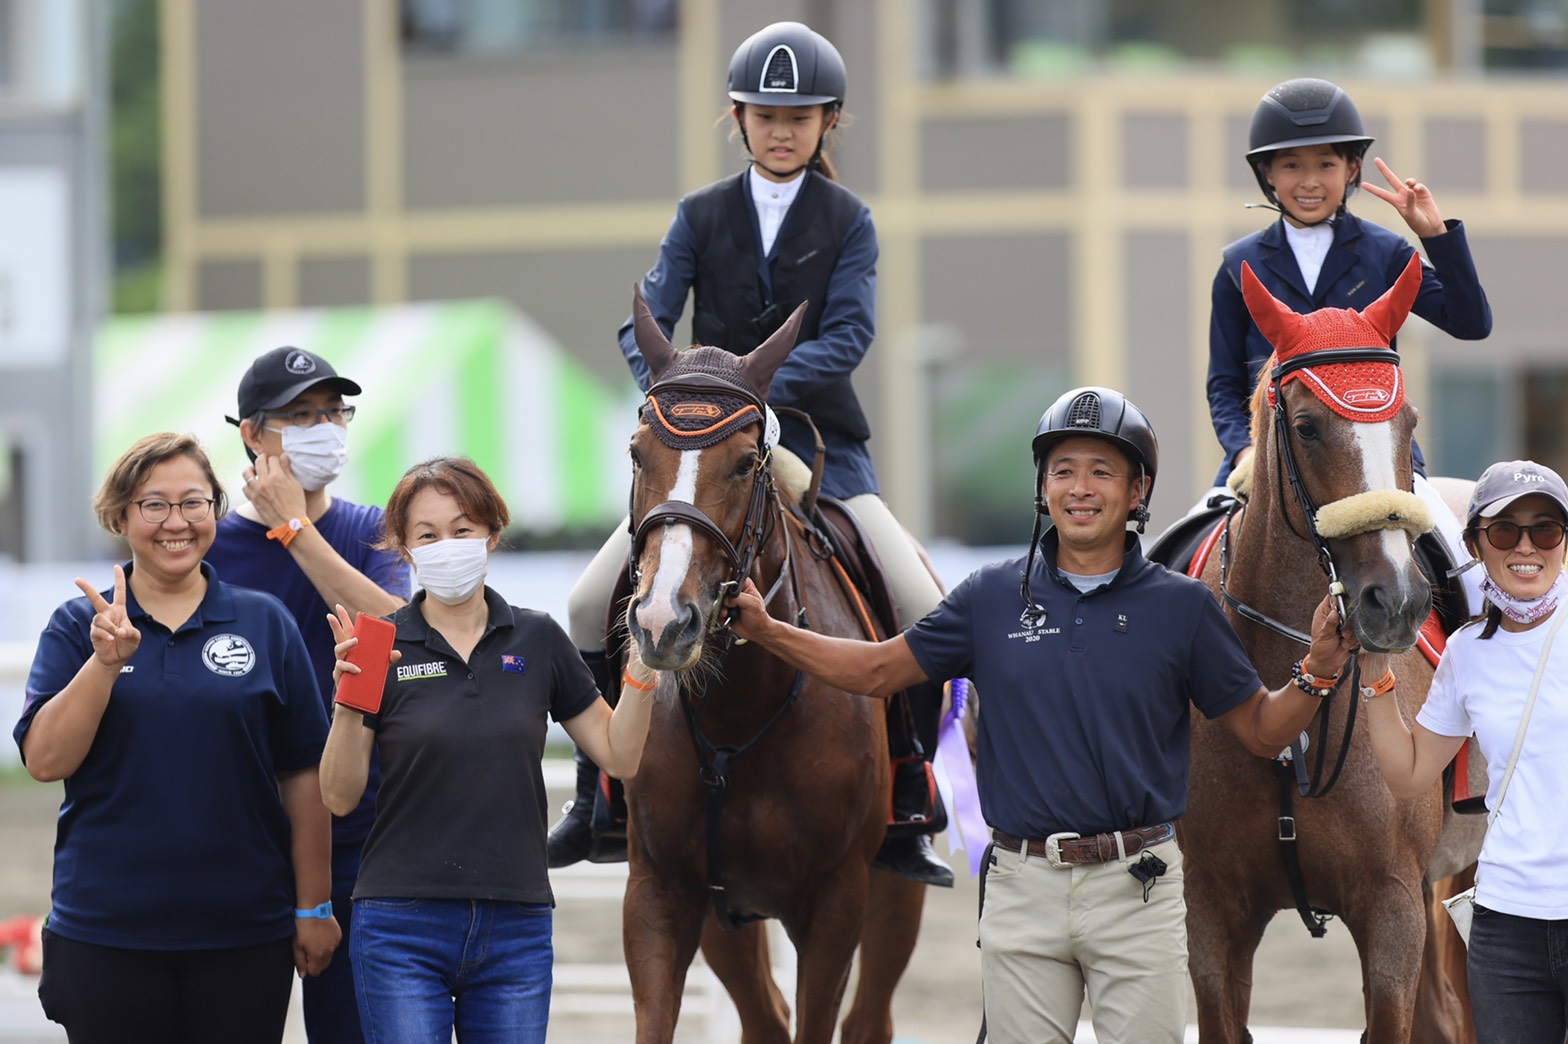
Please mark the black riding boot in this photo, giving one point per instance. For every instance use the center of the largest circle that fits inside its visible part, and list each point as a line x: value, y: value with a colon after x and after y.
x: 917, y: 811
x: 573, y: 839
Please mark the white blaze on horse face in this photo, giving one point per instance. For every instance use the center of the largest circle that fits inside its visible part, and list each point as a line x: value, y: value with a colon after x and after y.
x: 1378, y: 469
x: 675, y: 546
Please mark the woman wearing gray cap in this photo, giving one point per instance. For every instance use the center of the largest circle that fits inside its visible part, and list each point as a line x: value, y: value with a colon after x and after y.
x: 1503, y: 679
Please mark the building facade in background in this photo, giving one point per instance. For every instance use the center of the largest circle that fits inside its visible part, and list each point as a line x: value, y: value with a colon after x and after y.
x: 53, y: 253
x: 1052, y: 182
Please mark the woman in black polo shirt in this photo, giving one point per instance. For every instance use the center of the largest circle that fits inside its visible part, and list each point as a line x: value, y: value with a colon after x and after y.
x: 452, y: 910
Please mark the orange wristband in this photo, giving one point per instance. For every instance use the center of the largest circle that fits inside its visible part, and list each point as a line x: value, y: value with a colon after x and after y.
x: 286, y: 533
x: 632, y: 683
x: 1383, y: 685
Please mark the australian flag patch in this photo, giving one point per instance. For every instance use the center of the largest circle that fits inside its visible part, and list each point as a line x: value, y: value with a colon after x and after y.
x: 513, y: 664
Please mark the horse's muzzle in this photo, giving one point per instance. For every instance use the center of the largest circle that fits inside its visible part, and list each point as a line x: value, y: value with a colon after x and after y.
x: 666, y: 641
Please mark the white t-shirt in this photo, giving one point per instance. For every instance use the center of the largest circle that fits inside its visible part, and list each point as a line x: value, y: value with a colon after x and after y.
x: 1481, y: 688
x: 772, y: 201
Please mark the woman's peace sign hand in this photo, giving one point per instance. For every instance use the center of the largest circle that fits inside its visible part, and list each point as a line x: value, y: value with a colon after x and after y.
x: 114, y: 639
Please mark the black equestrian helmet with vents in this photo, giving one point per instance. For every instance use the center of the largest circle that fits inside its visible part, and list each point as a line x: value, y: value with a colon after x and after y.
x: 1300, y: 112
x: 1103, y: 414
x: 787, y: 64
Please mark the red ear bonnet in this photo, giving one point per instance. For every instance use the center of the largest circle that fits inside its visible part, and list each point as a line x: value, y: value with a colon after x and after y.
x: 1359, y: 391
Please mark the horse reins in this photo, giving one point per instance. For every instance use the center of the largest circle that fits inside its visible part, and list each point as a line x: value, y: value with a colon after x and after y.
x: 758, y: 522
x: 764, y: 516
x: 1287, y: 466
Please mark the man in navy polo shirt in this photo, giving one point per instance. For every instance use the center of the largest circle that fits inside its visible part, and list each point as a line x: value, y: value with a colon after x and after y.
x: 1087, y: 669
x: 293, y: 539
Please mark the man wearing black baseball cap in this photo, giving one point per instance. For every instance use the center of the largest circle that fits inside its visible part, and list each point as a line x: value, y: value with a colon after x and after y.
x: 293, y: 539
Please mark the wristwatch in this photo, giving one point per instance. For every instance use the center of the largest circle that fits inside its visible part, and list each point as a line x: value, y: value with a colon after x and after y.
x: 320, y: 913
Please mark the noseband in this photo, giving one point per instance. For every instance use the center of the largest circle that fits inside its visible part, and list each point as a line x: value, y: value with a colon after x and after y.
x: 1363, y: 512
x: 1360, y: 513
x: 758, y: 524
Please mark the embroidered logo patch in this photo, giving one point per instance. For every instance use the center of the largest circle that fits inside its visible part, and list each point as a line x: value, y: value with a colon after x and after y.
x: 1033, y: 628
x: 513, y: 664
x: 299, y: 362
x: 228, y: 655
x: 696, y: 409
x: 412, y: 671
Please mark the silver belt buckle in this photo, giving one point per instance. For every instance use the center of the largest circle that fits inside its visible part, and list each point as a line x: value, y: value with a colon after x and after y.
x: 1053, y: 849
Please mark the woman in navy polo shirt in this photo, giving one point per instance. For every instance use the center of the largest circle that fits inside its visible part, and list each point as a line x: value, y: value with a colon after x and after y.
x: 191, y: 865
x: 452, y: 909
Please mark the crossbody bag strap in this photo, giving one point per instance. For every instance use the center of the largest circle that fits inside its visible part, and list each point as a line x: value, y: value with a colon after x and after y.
x: 1524, y: 720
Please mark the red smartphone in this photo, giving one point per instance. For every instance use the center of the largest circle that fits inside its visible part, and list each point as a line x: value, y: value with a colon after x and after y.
x: 363, y: 691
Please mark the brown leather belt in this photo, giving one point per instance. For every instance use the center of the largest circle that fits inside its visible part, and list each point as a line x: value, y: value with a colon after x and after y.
x: 1074, y: 850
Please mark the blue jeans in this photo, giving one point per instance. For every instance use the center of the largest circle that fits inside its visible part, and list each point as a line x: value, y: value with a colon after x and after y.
x: 1518, y: 969
x: 424, y: 967
x: 331, y: 1009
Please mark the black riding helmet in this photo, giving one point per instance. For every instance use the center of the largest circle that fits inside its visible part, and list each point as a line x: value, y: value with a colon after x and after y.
x: 1100, y: 413
x: 787, y: 63
x: 1106, y: 414
x: 1299, y: 112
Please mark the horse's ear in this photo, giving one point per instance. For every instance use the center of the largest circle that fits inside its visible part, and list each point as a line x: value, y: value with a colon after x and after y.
x: 657, y: 351
x: 759, y: 366
x: 1389, y: 312
x: 1279, y: 324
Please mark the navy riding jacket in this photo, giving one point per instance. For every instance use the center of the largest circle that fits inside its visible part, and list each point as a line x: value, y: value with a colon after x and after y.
x: 1363, y: 262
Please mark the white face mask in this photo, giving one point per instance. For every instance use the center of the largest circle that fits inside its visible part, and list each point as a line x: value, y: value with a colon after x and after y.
x: 317, y: 454
x: 451, y: 570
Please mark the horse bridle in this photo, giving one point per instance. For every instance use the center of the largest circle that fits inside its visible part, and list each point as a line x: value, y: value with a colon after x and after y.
x: 1286, y: 457
x: 713, y: 759
x: 1288, y: 466
x: 739, y: 553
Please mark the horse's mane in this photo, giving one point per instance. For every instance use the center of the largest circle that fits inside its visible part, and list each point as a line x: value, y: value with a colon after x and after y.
x: 1260, y: 402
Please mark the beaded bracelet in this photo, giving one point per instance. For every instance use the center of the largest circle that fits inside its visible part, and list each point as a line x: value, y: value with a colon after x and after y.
x: 1383, y: 685
x: 1311, y: 684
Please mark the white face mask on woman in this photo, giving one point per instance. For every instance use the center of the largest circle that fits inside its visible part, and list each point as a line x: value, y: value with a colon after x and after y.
x: 451, y: 570
x: 317, y: 454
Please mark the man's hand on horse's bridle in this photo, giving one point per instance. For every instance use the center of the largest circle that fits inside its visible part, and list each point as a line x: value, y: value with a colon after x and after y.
x: 1333, y: 640
x: 747, y: 613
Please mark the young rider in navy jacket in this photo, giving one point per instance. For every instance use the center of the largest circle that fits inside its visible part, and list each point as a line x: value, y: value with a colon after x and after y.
x: 749, y: 249
x: 1306, y: 149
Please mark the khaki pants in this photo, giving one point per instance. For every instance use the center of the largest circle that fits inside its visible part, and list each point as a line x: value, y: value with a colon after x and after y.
x: 1048, y: 934
x: 915, y: 593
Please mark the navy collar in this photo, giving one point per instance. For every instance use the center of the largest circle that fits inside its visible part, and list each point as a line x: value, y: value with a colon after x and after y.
x: 217, y: 605
x: 1133, y: 562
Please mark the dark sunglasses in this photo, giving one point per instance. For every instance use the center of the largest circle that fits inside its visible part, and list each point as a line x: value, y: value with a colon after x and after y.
x: 1505, y: 535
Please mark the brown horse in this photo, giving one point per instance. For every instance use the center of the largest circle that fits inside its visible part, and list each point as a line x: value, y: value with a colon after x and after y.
x: 762, y: 792
x: 1327, y: 496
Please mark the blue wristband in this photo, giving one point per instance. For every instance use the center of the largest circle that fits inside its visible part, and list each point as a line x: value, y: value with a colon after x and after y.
x: 321, y: 912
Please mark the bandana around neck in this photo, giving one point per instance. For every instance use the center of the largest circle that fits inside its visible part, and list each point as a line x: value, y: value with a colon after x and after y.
x: 1525, y: 610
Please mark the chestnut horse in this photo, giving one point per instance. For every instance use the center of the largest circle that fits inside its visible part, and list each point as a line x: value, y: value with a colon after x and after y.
x: 1328, y: 504
x: 762, y: 793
